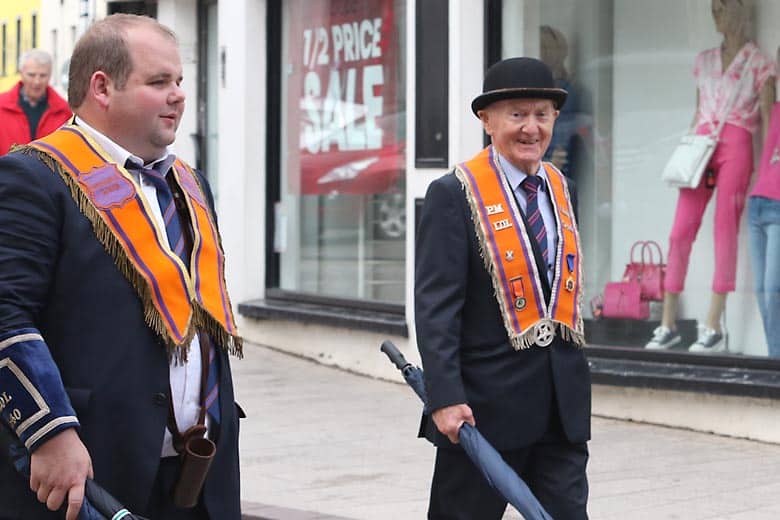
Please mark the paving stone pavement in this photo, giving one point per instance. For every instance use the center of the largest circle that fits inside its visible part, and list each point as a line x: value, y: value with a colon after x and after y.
x: 320, y: 443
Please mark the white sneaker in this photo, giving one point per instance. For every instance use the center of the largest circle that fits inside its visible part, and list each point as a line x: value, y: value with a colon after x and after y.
x: 708, y: 341
x: 663, y: 338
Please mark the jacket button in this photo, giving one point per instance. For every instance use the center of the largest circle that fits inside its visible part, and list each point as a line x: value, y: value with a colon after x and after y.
x: 160, y: 399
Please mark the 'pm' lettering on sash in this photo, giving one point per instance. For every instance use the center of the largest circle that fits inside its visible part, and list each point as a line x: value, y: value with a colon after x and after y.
x: 493, y: 209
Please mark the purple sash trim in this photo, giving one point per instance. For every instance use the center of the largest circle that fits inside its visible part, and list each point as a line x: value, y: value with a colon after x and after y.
x: 493, y: 247
x: 527, y: 252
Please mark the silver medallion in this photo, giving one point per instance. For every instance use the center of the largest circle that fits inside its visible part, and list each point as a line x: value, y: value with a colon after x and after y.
x: 544, y: 333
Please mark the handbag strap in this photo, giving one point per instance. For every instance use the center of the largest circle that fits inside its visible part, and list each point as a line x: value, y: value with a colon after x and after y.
x: 733, y: 96
x: 649, y: 245
x: 633, y: 248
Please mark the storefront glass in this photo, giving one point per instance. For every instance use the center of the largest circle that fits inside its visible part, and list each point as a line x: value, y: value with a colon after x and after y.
x: 341, y: 220
x: 636, y: 72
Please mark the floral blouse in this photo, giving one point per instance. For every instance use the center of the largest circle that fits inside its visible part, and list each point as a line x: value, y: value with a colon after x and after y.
x: 715, y: 86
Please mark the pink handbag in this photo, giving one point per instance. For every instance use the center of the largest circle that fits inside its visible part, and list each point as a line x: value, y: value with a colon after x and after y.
x: 647, y: 272
x: 624, y: 300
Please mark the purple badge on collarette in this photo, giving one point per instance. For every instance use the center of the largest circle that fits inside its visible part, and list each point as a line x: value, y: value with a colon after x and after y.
x: 107, y: 187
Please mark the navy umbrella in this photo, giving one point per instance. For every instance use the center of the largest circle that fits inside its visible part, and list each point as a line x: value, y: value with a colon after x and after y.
x: 484, y: 456
x: 98, y: 503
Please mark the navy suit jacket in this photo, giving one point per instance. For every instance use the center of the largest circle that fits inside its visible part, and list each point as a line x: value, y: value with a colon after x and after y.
x: 464, y: 346
x: 56, y: 277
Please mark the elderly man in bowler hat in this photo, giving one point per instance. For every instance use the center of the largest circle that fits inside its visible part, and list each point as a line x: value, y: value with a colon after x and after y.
x: 498, y: 291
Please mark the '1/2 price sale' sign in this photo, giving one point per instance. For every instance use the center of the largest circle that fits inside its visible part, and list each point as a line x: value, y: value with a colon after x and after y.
x: 342, y: 103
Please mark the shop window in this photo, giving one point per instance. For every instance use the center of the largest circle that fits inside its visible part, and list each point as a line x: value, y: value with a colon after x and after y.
x: 340, y: 214
x: 640, y: 76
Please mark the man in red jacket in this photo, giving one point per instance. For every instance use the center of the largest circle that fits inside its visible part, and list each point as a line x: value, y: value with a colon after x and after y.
x: 31, y: 109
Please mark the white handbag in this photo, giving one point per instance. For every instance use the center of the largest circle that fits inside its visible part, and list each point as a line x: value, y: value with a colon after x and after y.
x: 686, y: 166
x: 688, y: 161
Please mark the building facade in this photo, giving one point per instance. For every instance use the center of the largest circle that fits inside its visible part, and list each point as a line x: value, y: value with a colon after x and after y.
x: 20, y: 26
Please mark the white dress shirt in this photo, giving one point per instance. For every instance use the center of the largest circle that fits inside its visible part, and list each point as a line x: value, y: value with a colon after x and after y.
x: 184, y: 377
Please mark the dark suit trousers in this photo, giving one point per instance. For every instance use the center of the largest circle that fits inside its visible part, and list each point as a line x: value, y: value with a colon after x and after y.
x: 553, y: 468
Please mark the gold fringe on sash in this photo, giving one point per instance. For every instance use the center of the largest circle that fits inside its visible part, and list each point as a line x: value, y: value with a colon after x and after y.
x: 201, y: 319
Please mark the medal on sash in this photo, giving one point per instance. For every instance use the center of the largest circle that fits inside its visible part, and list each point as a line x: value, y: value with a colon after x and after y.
x: 518, y: 293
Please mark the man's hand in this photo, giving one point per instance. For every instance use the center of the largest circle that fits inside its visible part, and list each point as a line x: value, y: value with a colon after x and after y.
x: 59, y: 468
x: 450, y: 418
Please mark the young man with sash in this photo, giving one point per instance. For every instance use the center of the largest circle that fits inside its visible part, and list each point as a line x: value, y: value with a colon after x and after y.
x: 498, y: 293
x: 115, y: 322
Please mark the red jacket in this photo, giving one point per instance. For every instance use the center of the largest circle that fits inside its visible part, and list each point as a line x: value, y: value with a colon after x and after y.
x: 14, y: 127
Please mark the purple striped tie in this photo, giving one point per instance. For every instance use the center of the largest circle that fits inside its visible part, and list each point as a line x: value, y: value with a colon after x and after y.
x: 533, y: 215
x: 176, y: 241
x: 212, y: 381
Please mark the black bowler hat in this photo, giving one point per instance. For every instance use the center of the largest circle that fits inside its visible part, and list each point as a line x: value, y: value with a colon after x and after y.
x: 518, y: 78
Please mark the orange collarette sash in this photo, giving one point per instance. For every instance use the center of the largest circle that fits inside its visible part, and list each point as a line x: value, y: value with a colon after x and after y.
x: 506, y: 249
x: 178, y: 300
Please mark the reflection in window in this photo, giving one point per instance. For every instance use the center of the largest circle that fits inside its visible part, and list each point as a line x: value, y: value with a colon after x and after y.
x: 341, y: 222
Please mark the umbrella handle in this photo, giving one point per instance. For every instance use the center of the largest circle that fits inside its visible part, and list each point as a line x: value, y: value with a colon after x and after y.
x: 98, y: 503
x: 392, y: 352
x: 104, y: 504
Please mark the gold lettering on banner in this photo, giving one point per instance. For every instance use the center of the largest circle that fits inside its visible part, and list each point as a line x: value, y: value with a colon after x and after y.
x: 14, y: 417
x: 4, y: 400
x: 498, y: 225
x: 493, y: 209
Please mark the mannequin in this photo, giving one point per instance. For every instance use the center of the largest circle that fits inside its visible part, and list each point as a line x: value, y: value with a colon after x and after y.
x: 764, y: 233
x: 728, y: 173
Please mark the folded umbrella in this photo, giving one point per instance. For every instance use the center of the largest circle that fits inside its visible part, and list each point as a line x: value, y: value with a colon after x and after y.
x: 496, y: 471
x: 98, y: 503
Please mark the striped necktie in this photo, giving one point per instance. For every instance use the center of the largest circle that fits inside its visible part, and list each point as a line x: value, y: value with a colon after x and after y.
x: 173, y: 230
x: 533, y: 215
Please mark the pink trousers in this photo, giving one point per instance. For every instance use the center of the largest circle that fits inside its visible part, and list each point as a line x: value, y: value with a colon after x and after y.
x: 732, y: 164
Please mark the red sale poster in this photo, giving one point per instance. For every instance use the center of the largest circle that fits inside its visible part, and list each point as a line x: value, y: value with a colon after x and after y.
x: 343, y: 117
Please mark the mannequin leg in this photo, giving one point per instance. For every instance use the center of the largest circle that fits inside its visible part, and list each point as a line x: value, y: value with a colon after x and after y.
x: 764, y: 227
x: 666, y: 336
x: 715, y: 312
x: 733, y: 176
x: 732, y: 166
x: 671, y: 304
x: 691, y: 204
x: 711, y: 338
x: 772, y: 285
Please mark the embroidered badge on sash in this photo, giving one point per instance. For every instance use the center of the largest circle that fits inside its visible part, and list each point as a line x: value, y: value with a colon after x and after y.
x: 107, y: 187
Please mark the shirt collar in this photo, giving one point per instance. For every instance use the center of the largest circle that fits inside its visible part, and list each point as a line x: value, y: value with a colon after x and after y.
x: 118, y: 154
x: 515, y: 176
